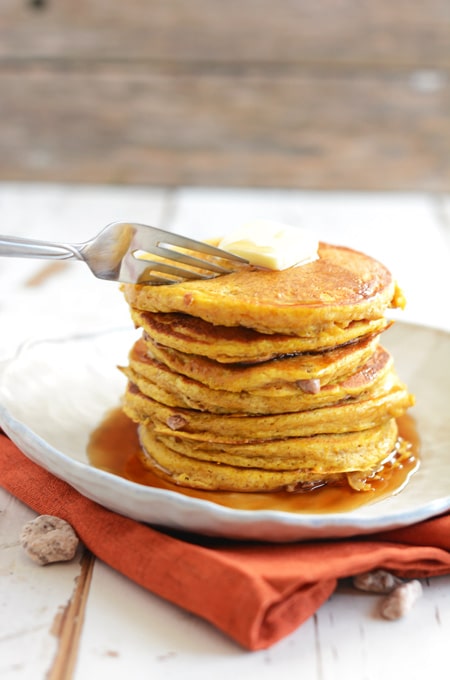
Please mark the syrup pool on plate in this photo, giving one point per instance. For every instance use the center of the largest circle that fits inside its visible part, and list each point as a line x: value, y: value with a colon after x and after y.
x: 114, y: 447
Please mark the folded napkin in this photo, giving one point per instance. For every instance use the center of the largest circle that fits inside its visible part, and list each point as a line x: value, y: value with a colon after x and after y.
x: 256, y: 593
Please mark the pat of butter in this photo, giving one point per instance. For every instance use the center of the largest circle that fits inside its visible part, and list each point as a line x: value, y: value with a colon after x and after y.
x: 274, y: 245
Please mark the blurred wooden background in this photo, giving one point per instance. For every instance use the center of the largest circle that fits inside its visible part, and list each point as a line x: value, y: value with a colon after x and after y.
x: 329, y: 94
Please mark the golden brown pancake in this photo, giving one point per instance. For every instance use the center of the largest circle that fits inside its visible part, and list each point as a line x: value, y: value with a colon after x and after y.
x: 159, y: 382
x: 341, y: 286
x: 225, y: 344
x: 345, y: 416
x: 250, y: 471
x: 277, y: 377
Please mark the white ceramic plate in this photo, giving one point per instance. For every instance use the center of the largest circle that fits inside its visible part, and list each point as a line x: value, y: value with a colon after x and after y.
x: 55, y: 392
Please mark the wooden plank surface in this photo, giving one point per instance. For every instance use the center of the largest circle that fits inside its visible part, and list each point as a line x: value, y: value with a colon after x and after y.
x: 348, y: 31
x: 347, y: 95
x: 135, y: 125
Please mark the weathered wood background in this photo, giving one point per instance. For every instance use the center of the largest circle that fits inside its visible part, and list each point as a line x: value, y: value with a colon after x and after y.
x: 327, y: 94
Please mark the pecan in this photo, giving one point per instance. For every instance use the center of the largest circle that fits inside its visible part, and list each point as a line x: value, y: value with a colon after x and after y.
x: 176, y: 422
x: 49, y: 539
x: 377, y: 581
x: 401, y: 600
x: 311, y: 386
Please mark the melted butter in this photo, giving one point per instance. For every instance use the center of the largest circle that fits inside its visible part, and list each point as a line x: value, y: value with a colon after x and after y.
x: 114, y: 447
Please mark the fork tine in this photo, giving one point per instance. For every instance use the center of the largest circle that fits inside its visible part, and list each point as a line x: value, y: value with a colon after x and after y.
x: 154, y: 280
x: 140, y: 271
x: 168, y: 238
x: 191, y: 261
x: 173, y: 270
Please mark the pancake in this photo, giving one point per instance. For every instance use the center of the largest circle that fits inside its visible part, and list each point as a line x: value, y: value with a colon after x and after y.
x: 345, y: 416
x: 281, y: 376
x: 159, y: 382
x: 225, y: 344
x: 341, y: 286
x: 309, y: 467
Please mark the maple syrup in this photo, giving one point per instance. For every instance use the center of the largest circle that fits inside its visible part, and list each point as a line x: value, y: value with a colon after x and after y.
x: 114, y: 447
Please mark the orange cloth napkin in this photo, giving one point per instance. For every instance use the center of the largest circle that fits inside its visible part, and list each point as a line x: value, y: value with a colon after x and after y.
x: 256, y: 593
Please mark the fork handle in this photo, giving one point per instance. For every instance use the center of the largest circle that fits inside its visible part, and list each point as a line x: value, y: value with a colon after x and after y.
x: 12, y: 246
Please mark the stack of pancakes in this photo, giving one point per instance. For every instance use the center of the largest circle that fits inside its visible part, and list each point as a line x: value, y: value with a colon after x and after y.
x: 265, y: 380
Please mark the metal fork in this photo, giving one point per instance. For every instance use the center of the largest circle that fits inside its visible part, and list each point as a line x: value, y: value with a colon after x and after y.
x: 120, y: 252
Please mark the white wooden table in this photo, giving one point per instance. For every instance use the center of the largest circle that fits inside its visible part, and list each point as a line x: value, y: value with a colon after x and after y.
x: 81, y: 619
